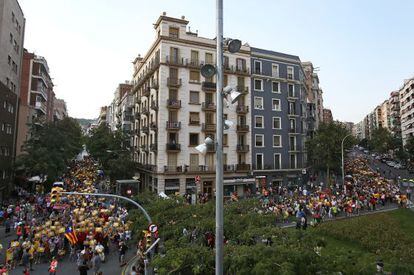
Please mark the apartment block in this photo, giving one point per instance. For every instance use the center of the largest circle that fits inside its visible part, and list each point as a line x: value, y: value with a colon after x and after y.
x: 122, y: 97
x: 279, y: 112
x: 12, y: 24
x: 37, y: 96
x: 394, y: 114
x: 314, y: 99
x: 407, y: 109
x: 59, y: 109
x: 327, y: 116
x: 175, y: 110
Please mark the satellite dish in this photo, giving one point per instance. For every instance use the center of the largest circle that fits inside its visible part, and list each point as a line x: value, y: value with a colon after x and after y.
x: 208, y: 70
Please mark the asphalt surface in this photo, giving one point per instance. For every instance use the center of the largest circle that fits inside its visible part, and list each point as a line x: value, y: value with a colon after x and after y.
x: 65, y: 267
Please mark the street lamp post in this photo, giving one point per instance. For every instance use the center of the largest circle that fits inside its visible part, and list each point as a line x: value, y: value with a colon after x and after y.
x: 342, y: 152
x: 219, y: 149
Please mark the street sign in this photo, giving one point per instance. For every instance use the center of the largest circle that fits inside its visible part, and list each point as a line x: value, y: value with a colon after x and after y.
x: 197, y: 179
x: 153, y: 228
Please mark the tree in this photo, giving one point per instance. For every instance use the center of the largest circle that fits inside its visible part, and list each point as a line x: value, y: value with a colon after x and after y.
x: 324, y: 150
x: 110, y: 149
x: 409, y: 147
x: 381, y: 140
x: 50, y: 147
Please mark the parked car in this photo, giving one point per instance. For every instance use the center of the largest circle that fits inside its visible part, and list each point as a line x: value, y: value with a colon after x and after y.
x: 366, y: 151
x: 398, y: 166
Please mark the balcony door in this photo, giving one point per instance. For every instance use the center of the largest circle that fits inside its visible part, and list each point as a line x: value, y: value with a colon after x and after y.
x: 174, y: 55
x: 210, y: 161
x: 209, y: 98
x: 194, y: 162
x: 173, y: 94
x: 209, y: 118
x: 172, y: 161
x: 173, y: 73
x: 172, y: 116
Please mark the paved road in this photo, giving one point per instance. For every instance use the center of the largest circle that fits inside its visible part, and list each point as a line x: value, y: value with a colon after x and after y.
x: 65, y: 267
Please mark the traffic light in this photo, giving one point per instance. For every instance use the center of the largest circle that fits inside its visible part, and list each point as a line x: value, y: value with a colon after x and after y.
x: 147, y: 238
x: 55, y: 194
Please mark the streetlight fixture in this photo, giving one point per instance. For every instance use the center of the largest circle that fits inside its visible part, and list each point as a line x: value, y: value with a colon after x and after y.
x: 202, y: 148
x: 342, y: 152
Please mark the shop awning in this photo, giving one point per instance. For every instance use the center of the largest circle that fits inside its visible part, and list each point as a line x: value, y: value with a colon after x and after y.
x: 239, y: 181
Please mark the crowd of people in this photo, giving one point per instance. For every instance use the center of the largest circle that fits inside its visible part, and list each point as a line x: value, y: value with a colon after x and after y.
x: 364, y: 190
x: 82, y: 228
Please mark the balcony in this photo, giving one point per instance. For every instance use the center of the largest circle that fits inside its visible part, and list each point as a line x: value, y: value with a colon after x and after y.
x: 153, y: 147
x: 154, y: 85
x: 41, y: 106
x: 173, y: 147
x: 40, y: 90
x: 243, y: 89
x: 242, y: 128
x: 211, y: 148
x: 154, y: 105
x: 208, y: 127
x: 173, y: 126
x: 242, y: 109
x: 145, y: 129
x: 148, y: 167
x: 146, y: 91
x: 170, y: 169
x: 242, y: 70
x: 229, y: 168
x: 242, y: 148
x: 137, y: 115
x: 193, y: 63
x: 242, y: 167
x: 145, y: 111
x: 173, y: 104
x: 137, y: 99
x: 174, y: 60
x: 208, y: 106
x: 174, y: 82
x: 144, y: 148
x: 208, y: 86
x: 153, y: 126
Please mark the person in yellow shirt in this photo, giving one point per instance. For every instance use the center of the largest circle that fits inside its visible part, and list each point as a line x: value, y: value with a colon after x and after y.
x: 9, y: 257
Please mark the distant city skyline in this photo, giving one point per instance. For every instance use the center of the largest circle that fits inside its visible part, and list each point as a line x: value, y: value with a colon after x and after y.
x: 362, y: 48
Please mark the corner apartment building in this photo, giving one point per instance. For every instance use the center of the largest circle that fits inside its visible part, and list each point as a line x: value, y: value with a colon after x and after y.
x: 175, y: 110
x: 115, y: 118
x: 36, y: 96
x: 407, y: 109
x: 12, y: 25
x: 279, y: 112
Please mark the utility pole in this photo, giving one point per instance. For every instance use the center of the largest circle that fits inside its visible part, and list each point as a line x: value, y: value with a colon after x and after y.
x: 219, y: 149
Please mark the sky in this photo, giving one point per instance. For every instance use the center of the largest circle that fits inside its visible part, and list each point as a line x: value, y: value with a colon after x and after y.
x: 364, y: 49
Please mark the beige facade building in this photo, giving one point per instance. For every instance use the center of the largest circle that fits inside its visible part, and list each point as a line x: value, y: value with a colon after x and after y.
x: 175, y: 110
x: 407, y: 109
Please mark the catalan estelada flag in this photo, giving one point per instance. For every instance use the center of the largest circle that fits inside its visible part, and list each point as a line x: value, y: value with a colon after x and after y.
x: 70, y: 235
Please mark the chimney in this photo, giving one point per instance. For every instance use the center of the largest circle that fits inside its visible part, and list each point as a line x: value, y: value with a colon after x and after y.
x: 164, y: 13
x: 183, y: 17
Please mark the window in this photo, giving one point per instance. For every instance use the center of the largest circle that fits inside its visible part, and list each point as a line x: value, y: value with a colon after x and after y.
x: 194, y: 162
x: 194, y: 97
x: 11, y: 38
x: 193, y: 139
x: 275, y: 104
x: 275, y: 87
x: 259, y: 140
x: 275, y: 70
x: 226, y: 63
x: 258, y: 122
x: 173, y: 32
x: 174, y: 56
x: 225, y: 80
x: 194, y: 57
x: 292, y: 161
x: 276, y: 161
x: 276, y: 123
x: 292, y: 108
x: 277, y: 141
x: 291, y: 90
x: 257, y: 67
x: 259, y: 161
x: 289, y: 72
x: 240, y: 64
x: 225, y: 140
x: 194, y: 118
x: 292, y: 143
x: 9, y: 60
x: 209, y: 58
x: 292, y: 127
x: 194, y: 76
x: 258, y: 103
x: 258, y: 84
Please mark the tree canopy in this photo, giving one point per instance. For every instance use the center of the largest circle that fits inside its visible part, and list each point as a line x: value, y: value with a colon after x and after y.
x: 324, y: 150
x: 247, y: 251
x: 381, y: 140
x: 50, y: 147
x: 110, y: 149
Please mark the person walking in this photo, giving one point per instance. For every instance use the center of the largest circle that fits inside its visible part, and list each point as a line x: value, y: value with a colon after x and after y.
x: 96, y: 263
x: 83, y: 268
x: 53, y: 266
